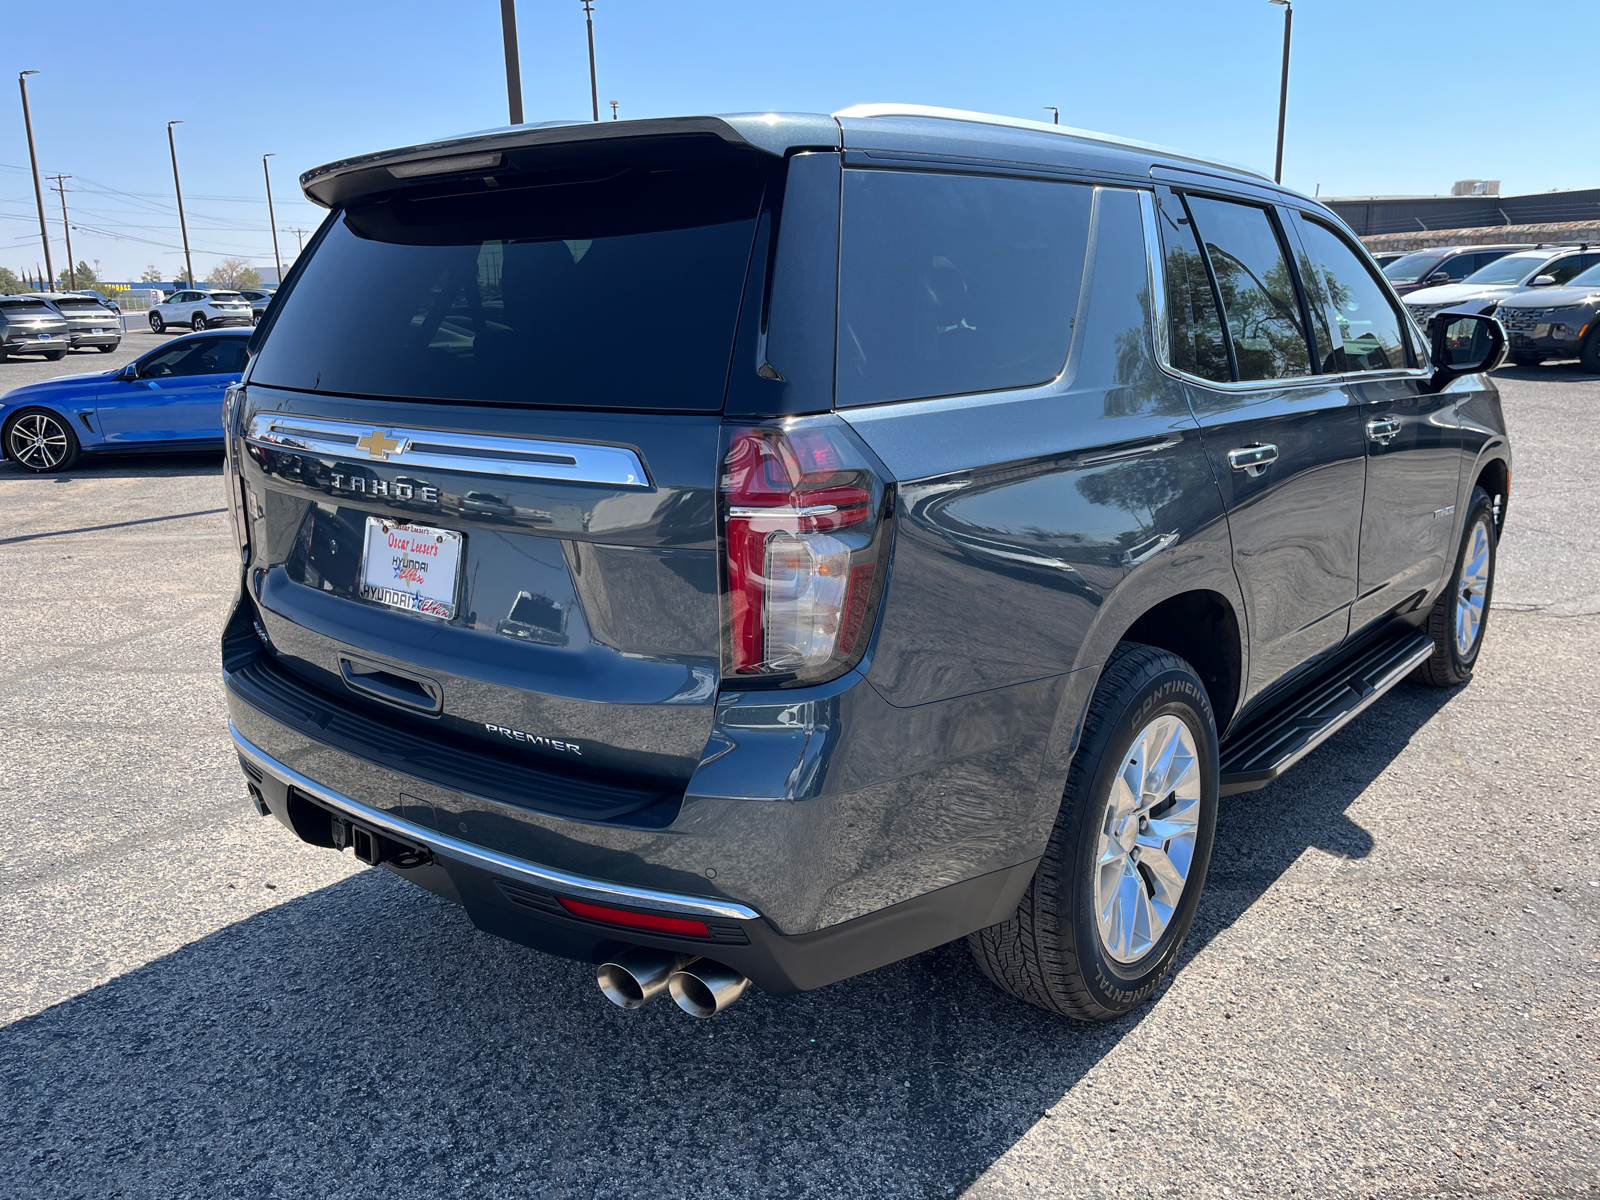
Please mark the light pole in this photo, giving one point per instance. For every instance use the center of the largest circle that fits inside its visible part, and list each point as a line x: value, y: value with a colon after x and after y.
x: 188, y: 263
x: 1054, y: 112
x: 1283, y: 88
x: 508, y: 29
x: 61, y: 190
x: 613, y: 104
x: 33, y: 157
x: 594, y: 90
x: 271, y: 219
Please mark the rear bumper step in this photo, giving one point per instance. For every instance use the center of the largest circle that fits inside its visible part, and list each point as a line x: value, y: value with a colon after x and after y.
x: 1271, y: 744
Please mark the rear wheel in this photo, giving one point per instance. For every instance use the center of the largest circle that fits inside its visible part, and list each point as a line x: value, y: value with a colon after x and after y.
x: 55, y: 355
x: 1101, y: 924
x: 157, y: 325
x: 1526, y: 360
x: 40, y: 441
x: 198, y: 323
x: 108, y: 349
x: 1460, y: 617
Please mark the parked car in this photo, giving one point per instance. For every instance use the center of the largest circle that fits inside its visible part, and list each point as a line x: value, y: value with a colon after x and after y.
x: 1555, y: 322
x: 199, y: 310
x: 1446, y: 264
x: 1507, y: 276
x: 93, y: 323
x: 1384, y: 257
x: 168, y: 399
x: 28, y: 325
x: 933, y: 578
x: 259, y: 299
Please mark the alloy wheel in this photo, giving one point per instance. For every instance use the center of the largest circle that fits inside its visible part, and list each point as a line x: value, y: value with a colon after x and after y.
x: 1471, y: 590
x: 38, y: 441
x: 1147, y: 839
x: 199, y: 322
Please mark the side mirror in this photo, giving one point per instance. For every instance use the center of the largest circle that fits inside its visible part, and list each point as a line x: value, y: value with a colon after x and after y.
x: 1542, y: 281
x: 1465, y: 344
x: 1438, y: 277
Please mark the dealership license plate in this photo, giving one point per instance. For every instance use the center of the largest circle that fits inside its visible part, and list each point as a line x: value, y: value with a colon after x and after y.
x: 414, y: 567
x: 44, y: 337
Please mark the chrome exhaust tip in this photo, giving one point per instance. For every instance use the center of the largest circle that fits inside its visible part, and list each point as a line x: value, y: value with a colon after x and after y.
x: 705, y: 988
x: 635, y: 976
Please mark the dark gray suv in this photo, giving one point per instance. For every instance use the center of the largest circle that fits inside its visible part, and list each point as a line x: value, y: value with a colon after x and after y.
x: 759, y: 548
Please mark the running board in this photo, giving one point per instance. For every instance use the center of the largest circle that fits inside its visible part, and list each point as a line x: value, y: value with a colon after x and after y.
x: 1273, y: 743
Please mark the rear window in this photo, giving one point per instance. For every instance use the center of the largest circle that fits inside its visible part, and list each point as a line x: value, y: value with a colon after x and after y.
x: 25, y: 308
x: 82, y: 303
x: 612, y: 288
x: 950, y: 284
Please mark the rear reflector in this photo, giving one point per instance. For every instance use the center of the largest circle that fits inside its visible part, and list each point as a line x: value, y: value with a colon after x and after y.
x: 677, y: 926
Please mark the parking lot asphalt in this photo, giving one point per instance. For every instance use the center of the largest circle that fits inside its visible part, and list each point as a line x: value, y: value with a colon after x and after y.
x: 1390, y: 990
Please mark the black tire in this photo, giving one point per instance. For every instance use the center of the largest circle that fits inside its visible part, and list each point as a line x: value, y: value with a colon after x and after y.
x: 1525, y: 360
x: 1052, y: 953
x: 157, y: 325
x: 40, y: 441
x: 108, y: 349
x: 1450, y: 664
x: 55, y: 355
x: 198, y: 322
x: 1589, y: 356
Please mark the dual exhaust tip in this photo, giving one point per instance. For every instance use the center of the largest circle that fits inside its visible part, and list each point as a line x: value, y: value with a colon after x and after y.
x: 700, y: 987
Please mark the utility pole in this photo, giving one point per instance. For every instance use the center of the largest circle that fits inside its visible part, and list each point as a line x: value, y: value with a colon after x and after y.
x: 508, y: 30
x: 299, y: 237
x: 1283, y: 88
x: 272, y: 220
x: 613, y: 104
x: 61, y: 190
x: 1054, y: 112
x: 594, y: 90
x: 33, y: 157
x: 188, y: 263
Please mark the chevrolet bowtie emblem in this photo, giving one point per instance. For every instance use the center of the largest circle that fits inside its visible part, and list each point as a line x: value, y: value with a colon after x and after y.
x: 380, y: 445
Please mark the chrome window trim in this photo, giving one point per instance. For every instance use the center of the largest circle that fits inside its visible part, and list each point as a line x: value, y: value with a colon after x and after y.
x: 445, y: 846
x: 527, y: 458
x: 1160, y: 334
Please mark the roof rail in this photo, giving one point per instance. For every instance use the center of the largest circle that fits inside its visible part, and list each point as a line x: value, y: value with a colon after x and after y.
x: 978, y: 118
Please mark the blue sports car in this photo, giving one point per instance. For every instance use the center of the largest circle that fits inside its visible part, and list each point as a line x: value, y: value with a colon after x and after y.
x: 168, y: 399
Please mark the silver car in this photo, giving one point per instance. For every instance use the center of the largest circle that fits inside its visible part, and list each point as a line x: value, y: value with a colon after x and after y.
x: 1485, y: 288
x: 91, y: 320
x: 259, y: 299
x: 28, y: 325
x: 201, y: 309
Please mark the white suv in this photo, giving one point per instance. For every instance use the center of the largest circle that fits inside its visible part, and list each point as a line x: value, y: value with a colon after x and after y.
x: 201, y: 310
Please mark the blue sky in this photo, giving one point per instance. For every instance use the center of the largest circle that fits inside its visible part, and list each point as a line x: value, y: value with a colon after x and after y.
x: 1397, y: 97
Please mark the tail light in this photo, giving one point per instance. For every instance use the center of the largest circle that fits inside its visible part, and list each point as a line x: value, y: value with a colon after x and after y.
x: 806, y: 516
x: 233, y: 481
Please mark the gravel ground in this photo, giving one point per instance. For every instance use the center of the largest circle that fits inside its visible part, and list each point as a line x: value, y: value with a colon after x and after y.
x: 1390, y: 990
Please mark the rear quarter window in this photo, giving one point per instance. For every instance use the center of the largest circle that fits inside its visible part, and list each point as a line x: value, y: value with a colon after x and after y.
x: 952, y: 284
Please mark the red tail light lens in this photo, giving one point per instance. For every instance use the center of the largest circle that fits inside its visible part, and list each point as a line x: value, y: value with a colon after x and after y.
x: 805, y: 529
x: 676, y: 926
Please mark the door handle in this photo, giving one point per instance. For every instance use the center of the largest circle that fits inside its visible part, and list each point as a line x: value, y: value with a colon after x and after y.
x: 1253, y: 460
x: 1383, y: 430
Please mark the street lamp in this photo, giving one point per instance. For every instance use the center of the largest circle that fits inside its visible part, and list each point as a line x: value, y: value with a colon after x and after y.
x: 272, y: 220
x: 508, y: 31
x: 594, y: 90
x: 38, y: 187
x: 188, y: 263
x: 1283, y: 89
x: 1054, y: 112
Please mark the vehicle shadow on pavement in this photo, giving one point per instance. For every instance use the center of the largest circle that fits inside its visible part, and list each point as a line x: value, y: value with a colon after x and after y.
x: 120, y: 466
x: 366, y: 1040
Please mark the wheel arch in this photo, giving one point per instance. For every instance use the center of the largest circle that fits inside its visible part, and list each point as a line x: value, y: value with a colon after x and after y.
x: 66, y: 416
x: 1493, y: 475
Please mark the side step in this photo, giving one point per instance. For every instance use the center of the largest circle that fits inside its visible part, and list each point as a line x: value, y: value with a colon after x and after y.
x: 1272, y: 743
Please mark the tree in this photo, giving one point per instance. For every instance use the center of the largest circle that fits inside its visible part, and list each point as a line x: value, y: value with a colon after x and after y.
x: 151, y: 274
x: 234, y: 273
x: 9, y: 283
x: 84, y: 276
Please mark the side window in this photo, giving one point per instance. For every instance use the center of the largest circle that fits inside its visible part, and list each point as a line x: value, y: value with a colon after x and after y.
x: 1566, y: 268
x: 1461, y: 266
x: 1369, y: 327
x: 1258, y: 293
x: 955, y: 283
x: 230, y: 356
x: 1197, y: 345
x: 186, y: 358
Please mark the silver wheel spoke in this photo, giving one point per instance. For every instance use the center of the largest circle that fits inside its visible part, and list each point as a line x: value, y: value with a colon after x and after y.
x: 1146, y: 839
x: 1471, y: 588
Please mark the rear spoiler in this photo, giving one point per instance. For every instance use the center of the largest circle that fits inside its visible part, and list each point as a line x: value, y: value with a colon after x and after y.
x: 557, y: 143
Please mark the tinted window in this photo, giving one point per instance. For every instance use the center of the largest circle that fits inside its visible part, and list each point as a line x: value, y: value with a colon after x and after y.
x: 1460, y: 266
x: 1197, y: 345
x: 955, y: 283
x: 26, y: 308
x: 1258, y: 296
x: 198, y: 357
x: 1569, y: 268
x: 1590, y: 278
x: 615, y: 288
x: 1369, y: 327
x: 1413, y: 266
